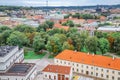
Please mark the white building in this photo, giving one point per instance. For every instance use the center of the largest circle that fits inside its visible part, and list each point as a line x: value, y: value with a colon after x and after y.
x: 11, y: 66
x: 57, y: 72
x: 109, y: 29
x: 89, y: 64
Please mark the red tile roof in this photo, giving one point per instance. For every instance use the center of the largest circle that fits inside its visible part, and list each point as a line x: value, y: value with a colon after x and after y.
x: 61, y: 27
x: 90, y: 59
x: 57, y: 69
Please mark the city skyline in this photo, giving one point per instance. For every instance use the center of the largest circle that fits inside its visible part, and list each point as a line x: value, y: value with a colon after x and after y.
x: 36, y: 3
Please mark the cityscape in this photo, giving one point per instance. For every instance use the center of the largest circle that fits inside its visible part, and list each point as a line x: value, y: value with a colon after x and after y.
x: 60, y: 40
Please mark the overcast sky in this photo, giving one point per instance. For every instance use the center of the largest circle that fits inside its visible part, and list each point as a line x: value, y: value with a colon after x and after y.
x: 58, y: 2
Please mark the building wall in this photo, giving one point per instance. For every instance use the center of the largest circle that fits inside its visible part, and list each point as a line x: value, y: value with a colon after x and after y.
x: 16, y: 57
x: 90, y: 70
x: 54, y: 76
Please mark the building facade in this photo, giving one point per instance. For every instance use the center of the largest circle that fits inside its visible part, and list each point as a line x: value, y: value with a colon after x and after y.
x: 57, y: 72
x: 91, y: 65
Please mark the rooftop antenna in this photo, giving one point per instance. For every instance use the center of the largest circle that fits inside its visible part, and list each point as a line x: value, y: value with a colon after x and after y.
x: 46, y: 7
x: 46, y: 3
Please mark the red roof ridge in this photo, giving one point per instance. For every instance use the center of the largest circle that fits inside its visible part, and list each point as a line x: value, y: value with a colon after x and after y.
x: 57, y: 69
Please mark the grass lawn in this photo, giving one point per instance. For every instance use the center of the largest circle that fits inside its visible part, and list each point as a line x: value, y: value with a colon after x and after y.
x: 32, y: 55
x: 50, y: 56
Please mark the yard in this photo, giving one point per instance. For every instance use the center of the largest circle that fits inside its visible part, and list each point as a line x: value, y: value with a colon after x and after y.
x: 33, y: 55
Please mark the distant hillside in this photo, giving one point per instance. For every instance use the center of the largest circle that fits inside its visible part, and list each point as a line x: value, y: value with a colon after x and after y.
x: 2, y: 8
x: 79, y: 7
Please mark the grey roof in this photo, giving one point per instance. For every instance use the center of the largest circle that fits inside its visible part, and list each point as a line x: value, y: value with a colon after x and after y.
x: 4, y: 50
x: 107, y: 28
x: 19, y: 68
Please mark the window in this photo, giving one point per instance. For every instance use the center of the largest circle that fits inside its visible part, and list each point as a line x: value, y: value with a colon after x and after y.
x: 57, y: 60
x: 113, y: 72
x: 91, y: 67
x: 77, y: 65
x: 96, y: 74
x: 101, y: 75
x: 45, y: 75
x: 112, y: 77
x: 73, y: 64
x: 49, y: 77
x: 101, y: 69
x: 118, y: 73
x: 68, y: 63
x: 107, y: 70
x: 77, y: 70
x: 82, y: 71
x: 73, y: 69
x: 91, y: 73
x: 64, y: 62
x: 82, y: 66
x: 60, y: 61
x: 107, y: 76
x: 119, y: 78
x: 96, y: 68
x: 55, y: 77
x: 86, y: 66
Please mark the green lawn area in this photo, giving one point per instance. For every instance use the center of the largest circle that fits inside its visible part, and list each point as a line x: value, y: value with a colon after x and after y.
x: 50, y: 56
x: 32, y: 55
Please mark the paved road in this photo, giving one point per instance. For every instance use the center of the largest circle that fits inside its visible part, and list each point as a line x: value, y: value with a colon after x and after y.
x: 41, y: 64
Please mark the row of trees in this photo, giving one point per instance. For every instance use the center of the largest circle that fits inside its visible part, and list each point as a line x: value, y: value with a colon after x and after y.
x: 82, y: 16
x: 56, y: 40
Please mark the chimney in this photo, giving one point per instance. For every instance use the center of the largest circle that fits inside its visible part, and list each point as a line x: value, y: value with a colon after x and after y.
x: 113, y: 58
x: 93, y: 54
x: 88, y: 53
x: 75, y: 50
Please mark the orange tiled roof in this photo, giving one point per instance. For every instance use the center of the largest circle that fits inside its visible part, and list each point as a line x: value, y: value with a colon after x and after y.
x: 57, y: 69
x: 96, y: 60
x: 38, y: 17
x: 61, y: 27
x: 102, y: 17
x: 91, y: 20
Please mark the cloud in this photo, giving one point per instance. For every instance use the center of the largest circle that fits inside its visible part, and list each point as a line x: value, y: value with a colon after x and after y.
x: 57, y: 2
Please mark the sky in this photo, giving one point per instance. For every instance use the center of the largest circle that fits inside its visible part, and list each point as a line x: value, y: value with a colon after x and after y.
x: 58, y: 2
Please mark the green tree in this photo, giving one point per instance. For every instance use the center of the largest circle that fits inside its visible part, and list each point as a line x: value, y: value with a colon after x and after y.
x: 71, y: 31
x: 17, y: 38
x: 42, y: 27
x: 1, y: 40
x: 62, y: 37
x: 76, y: 15
x: 116, y: 45
x: 5, y: 35
x: 66, y: 16
x: 99, y: 34
x: 50, y: 24
x: 38, y: 43
x: 24, y: 28
x: 103, y: 45
x: 56, y: 31
x: 3, y: 28
x: 91, y: 44
x: 53, y: 45
x: 66, y: 45
x: 68, y: 23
